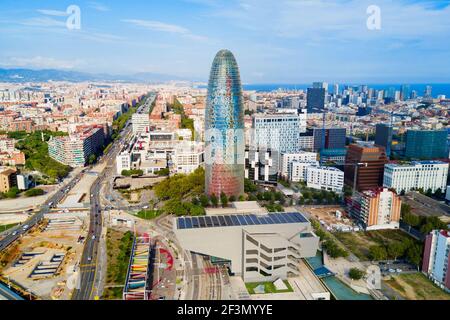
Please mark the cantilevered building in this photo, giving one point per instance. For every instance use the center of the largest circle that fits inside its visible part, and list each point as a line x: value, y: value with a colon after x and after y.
x: 224, y: 136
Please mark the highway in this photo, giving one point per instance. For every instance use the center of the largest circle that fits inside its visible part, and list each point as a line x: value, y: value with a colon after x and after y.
x: 18, y: 231
x: 8, y: 294
x: 88, y: 263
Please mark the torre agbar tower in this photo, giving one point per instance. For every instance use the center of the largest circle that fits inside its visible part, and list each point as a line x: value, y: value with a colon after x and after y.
x: 224, y: 136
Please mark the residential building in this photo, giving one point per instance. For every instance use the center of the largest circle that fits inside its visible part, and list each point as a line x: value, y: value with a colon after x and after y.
x: 426, y: 144
x: 8, y: 179
x: 366, y: 161
x: 297, y: 170
x: 140, y: 123
x: 325, y: 178
x: 262, y: 165
x: 376, y: 209
x: 426, y: 175
x: 436, y: 258
x: 288, y: 158
x: 188, y: 156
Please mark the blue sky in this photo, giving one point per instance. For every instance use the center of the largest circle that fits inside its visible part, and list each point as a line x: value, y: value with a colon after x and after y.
x: 283, y: 41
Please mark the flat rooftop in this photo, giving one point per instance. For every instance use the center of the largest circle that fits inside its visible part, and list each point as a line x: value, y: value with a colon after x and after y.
x: 239, y: 220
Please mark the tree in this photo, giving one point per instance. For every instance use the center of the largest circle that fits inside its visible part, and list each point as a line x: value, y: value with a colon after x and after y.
x: 414, y: 254
x: 377, y: 253
x: 249, y: 186
x: 224, y: 200
x: 214, y: 200
x: 204, y: 201
x: 438, y: 194
x: 12, y: 193
x: 34, y: 192
x: 356, y: 274
x: 195, y: 201
x: 92, y: 158
x: 232, y: 199
x: 395, y: 250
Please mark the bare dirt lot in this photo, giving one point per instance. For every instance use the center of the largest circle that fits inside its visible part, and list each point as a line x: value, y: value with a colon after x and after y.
x: 42, y: 250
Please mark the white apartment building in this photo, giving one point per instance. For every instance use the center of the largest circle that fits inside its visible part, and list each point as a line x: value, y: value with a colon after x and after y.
x: 140, y: 122
x: 278, y: 132
x: 325, y: 178
x: 123, y: 161
x: 297, y: 170
x: 188, y: 156
x: 288, y: 158
x: 415, y: 175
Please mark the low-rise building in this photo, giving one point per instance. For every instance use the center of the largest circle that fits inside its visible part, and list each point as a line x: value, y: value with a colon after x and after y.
x: 426, y: 175
x: 325, y: 178
x: 8, y: 179
x: 188, y: 156
x: 257, y: 247
x: 288, y: 158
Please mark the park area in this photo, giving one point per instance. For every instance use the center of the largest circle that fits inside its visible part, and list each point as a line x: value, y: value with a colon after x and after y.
x: 119, y: 245
x: 416, y: 286
x: 269, y: 287
x: 381, y: 245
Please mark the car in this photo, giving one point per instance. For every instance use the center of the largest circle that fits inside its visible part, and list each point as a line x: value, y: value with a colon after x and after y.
x: 93, y: 237
x: 391, y: 270
x: 14, y: 233
x: 25, y: 227
x: 89, y: 259
x: 399, y: 270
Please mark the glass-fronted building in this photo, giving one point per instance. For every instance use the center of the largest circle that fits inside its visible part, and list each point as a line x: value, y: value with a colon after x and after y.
x: 224, y: 136
x: 426, y: 144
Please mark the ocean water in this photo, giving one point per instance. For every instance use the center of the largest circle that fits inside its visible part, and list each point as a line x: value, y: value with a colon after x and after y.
x: 438, y: 88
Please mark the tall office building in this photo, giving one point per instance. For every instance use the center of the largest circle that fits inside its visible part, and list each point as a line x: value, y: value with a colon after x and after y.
x: 383, y: 137
x: 426, y: 144
x: 279, y: 132
x: 315, y: 99
x: 334, y: 138
x: 336, y: 89
x: 436, y: 258
x: 428, y: 92
x: 224, y: 125
x: 367, y: 162
x: 405, y: 92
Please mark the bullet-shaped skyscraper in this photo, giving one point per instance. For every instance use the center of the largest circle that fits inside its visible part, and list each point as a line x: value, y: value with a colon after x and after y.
x: 224, y: 136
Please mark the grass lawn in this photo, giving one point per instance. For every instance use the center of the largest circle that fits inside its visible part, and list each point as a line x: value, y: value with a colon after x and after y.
x: 119, y: 245
x: 148, y: 214
x: 7, y: 226
x: 416, y: 286
x: 269, y: 287
x: 360, y: 242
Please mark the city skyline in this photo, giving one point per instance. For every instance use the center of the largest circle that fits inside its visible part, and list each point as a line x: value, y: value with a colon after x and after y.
x: 306, y: 40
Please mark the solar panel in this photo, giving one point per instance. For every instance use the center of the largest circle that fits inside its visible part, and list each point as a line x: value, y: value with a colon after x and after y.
x: 235, y: 221
x: 282, y: 218
x: 248, y: 220
x: 181, y: 224
x: 222, y: 222
x: 275, y: 218
x: 188, y: 223
x: 254, y: 219
x: 208, y: 221
x: 289, y: 218
x: 266, y: 220
x: 215, y: 221
x: 228, y: 221
x: 195, y: 222
x: 242, y: 220
x: 202, y: 222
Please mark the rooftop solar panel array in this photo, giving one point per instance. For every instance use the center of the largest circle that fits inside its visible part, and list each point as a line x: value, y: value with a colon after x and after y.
x: 239, y: 220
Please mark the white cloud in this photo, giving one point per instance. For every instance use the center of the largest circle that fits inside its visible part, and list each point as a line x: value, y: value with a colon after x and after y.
x: 165, y: 27
x: 40, y: 62
x: 55, y: 13
x: 43, y: 22
x: 98, y: 6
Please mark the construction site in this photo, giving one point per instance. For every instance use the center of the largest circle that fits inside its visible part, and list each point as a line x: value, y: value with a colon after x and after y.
x: 45, y: 258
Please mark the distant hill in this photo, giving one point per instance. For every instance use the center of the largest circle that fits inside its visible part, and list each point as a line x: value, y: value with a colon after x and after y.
x: 29, y: 75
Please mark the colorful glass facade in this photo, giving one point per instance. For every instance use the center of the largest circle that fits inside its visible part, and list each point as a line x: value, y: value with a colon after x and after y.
x: 224, y: 136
